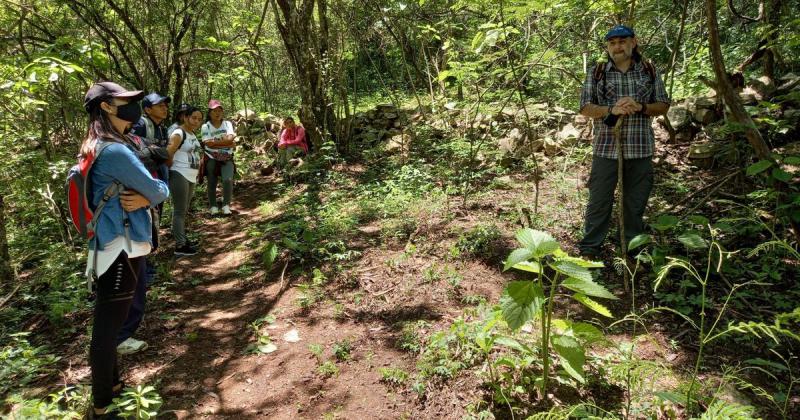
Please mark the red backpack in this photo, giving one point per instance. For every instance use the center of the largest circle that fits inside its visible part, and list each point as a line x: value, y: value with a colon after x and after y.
x: 83, y: 216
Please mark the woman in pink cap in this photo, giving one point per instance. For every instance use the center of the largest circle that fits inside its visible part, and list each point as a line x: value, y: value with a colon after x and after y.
x: 218, y: 139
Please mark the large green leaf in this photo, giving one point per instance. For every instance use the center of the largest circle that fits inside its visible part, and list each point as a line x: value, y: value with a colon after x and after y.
x: 639, y: 240
x: 513, y: 344
x: 561, y: 255
x: 268, y: 255
x: 530, y: 266
x: 538, y: 242
x: 571, y: 354
x: 665, y: 222
x: 692, y: 240
x: 592, y: 304
x: 516, y: 257
x: 758, y: 167
x: 587, y: 332
x: 526, y: 292
x: 587, y: 287
x: 516, y: 315
x: 571, y: 269
x: 781, y: 175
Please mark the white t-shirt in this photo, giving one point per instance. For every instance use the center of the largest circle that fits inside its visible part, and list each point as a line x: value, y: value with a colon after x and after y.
x: 186, y: 160
x: 110, y: 252
x: 209, y: 132
x: 172, y: 128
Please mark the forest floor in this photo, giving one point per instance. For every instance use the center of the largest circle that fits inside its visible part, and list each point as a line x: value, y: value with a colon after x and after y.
x: 367, y: 322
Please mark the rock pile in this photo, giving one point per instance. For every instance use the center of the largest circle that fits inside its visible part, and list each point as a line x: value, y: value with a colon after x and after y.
x: 252, y: 131
x: 382, y: 122
x: 698, y: 119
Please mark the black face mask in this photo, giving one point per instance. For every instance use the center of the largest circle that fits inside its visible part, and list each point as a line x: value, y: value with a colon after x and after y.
x: 130, y: 112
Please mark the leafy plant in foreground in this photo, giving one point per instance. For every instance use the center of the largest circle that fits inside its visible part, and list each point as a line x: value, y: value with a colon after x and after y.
x: 140, y: 403
x: 716, y: 256
x: 528, y: 300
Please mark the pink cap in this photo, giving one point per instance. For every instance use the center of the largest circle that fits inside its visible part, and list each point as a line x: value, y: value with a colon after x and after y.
x: 214, y: 103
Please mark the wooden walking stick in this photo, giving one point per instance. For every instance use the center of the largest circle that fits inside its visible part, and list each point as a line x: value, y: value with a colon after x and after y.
x: 620, y: 200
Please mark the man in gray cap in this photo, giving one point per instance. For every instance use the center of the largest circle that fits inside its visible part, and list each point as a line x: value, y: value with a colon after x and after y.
x: 624, y: 87
x: 154, y: 155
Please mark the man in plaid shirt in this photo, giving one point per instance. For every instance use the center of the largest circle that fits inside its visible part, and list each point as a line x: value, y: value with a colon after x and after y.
x: 625, y: 87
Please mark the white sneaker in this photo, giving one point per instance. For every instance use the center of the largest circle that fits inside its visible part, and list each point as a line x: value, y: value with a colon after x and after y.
x: 214, y: 211
x: 131, y: 345
x: 226, y: 210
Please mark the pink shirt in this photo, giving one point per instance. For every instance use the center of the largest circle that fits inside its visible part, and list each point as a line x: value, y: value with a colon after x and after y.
x: 294, y: 137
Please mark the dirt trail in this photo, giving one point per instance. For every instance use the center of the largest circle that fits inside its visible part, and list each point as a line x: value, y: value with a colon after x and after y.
x: 199, y: 334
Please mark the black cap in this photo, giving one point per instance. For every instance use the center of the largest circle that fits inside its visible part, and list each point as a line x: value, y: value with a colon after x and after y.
x: 104, y: 90
x: 154, y: 99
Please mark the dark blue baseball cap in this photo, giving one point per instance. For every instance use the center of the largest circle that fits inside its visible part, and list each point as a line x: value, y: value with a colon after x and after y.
x: 154, y: 99
x: 620, y: 31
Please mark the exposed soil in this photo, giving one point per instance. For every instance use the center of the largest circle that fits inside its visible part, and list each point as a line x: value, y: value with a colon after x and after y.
x: 199, y: 331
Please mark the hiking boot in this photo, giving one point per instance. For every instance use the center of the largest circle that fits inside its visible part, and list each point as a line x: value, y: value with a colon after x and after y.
x: 131, y: 345
x: 226, y: 210
x: 185, y: 249
x: 214, y: 211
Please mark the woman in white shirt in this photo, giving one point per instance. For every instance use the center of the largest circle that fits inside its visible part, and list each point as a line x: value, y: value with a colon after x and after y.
x: 184, y: 150
x: 218, y: 138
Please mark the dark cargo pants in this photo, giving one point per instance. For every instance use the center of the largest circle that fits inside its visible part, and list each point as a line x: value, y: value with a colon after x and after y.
x: 637, y: 184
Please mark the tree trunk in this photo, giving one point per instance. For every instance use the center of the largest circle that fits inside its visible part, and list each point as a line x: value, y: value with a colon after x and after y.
x: 6, y: 273
x: 307, y: 51
x: 726, y: 89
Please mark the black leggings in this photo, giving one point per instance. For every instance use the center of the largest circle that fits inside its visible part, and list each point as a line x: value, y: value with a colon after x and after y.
x: 115, y: 290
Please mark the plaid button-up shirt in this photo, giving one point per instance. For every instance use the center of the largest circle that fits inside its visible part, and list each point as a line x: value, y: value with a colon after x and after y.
x: 638, y: 140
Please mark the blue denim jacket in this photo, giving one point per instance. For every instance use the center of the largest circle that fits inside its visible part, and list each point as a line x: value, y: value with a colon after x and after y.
x: 118, y: 162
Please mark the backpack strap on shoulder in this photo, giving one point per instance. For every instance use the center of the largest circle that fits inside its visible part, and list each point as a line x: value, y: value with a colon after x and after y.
x: 599, y: 72
x: 649, y: 68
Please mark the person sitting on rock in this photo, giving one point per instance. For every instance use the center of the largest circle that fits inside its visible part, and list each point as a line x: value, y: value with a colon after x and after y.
x: 292, y: 141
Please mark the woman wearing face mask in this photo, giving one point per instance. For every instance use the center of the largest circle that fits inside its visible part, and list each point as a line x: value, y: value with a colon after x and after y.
x: 123, y: 231
x: 184, y: 150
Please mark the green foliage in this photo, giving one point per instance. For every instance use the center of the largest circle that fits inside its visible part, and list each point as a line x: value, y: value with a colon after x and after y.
x: 479, y: 241
x: 342, y: 350
x: 328, y: 369
x: 525, y: 301
x: 393, y: 376
x: 142, y: 402
x: 22, y: 363
x: 69, y: 403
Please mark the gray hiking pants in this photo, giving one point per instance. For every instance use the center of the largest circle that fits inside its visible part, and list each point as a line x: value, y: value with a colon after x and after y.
x: 637, y: 184
x: 226, y: 172
x: 181, y: 191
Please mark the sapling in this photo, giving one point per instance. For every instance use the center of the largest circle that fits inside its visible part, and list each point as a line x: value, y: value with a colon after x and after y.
x: 527, y: 300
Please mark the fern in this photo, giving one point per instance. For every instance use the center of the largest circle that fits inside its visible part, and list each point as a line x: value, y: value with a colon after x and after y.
x: 726, y: 410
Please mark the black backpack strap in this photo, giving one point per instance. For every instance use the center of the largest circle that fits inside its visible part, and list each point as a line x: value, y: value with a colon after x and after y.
x: 183, y: 138
x: 649, y: 68
x: 599, y: 72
